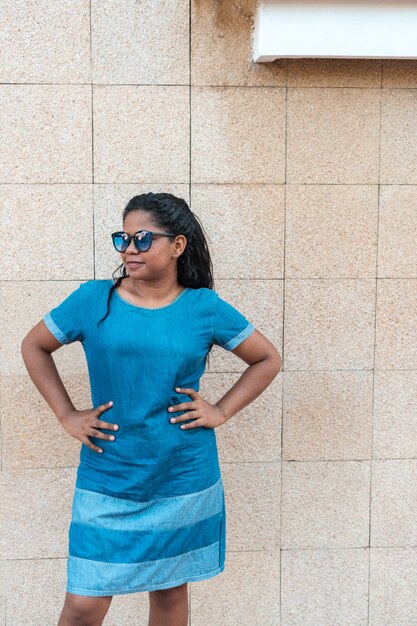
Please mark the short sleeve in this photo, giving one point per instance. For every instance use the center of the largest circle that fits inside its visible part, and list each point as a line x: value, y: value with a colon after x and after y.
x: 230, y: 327
x: 65, y: 321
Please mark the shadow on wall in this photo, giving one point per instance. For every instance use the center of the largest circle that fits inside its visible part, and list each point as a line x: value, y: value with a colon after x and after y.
x: 228, y: 13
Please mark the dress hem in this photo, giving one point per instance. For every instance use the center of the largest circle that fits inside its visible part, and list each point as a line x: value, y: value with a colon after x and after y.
x: 172, y: 583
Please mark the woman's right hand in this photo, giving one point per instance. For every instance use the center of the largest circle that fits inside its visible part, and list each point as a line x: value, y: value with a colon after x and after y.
x: 82, y: 424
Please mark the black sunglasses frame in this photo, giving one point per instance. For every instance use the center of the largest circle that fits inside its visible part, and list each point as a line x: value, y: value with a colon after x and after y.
x: 137, y: 240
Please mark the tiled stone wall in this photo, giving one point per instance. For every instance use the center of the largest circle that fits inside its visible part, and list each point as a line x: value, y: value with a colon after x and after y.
x: 304, y: 174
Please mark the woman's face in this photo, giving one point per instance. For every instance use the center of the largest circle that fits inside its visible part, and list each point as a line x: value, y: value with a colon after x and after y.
x: 161, y: 259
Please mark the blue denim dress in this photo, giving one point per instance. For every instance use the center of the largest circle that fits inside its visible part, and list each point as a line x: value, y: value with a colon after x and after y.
x: 149, y: 512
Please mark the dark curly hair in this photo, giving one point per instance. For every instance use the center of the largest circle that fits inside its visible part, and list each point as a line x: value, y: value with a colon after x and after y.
x: 194, y: 265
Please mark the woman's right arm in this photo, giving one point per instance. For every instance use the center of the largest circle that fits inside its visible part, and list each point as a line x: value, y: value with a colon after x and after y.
x: 37, y: 347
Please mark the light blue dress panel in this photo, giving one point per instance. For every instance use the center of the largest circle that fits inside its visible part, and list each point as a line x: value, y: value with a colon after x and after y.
x: 149, y: 512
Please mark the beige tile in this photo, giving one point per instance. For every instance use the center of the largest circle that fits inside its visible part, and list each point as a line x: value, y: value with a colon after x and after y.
x: 254, y: 433
x: 34, y: 590
x: 47, y: 134
x: 36, y: 499
x: 331, y: 231
x: 395, y: 410
x: 245, y: 228
x: 109, y: 204
x: 398, y: 136
x: 327, y: 415
x: 245, y: 593
x: 329, y: 324
x: 2, y: 611
x: 325, y: 504
x: 324, y: 587
x: 397, y: 233
x: 31, y: 434
x: 50, y: 233
x: 394, y: 502
x: 399, y: 73
x: 140, y: 42
x: 325, y: 128
x: 226, y: 30
x: 261, y: 303
x: 238, y: 135
x: 393, y: 588
x: 141, y: 134
x: 45, y: 42
x: 26, y: 303
x: 334, y: 73
x: 252, y: 493
x: 396, y: 330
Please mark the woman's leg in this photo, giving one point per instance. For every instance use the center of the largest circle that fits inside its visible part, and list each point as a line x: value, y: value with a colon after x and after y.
x: 169, y: 607
x: 84, y: 610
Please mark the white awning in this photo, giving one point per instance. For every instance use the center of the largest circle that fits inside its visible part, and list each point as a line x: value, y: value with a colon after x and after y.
x: 352, y: 29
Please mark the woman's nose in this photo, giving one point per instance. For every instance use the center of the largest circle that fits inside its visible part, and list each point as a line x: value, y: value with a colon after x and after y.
x: 131, y: 247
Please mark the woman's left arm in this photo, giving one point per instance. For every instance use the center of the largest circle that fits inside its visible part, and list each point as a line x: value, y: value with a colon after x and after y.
x: 264, y: 364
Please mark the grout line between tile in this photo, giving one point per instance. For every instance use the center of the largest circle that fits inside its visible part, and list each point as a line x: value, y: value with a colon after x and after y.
x: 282, y: 335
x: 374, y: 353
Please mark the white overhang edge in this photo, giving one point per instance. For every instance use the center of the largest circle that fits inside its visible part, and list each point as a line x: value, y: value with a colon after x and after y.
x: 352, y: 29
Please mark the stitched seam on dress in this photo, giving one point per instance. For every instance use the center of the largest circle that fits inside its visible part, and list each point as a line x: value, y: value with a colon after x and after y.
x: 82, y: 313
x: 241, y: 334
x: 158, y: 308
x: 212, y: 316
x: 55, y: 329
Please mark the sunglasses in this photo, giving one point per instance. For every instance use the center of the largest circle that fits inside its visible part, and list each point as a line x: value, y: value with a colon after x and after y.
x: 142, y: 239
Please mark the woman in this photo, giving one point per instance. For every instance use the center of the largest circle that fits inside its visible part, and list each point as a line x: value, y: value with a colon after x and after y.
x: 148, y: 510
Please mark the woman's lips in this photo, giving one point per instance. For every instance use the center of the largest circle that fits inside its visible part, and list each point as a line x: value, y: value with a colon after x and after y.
x: 134, y: 263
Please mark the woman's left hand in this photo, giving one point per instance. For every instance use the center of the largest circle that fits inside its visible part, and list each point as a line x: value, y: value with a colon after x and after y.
x: 203, y: 413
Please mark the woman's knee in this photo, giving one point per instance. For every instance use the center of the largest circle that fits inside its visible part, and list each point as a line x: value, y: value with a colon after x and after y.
x: 86, y: 610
